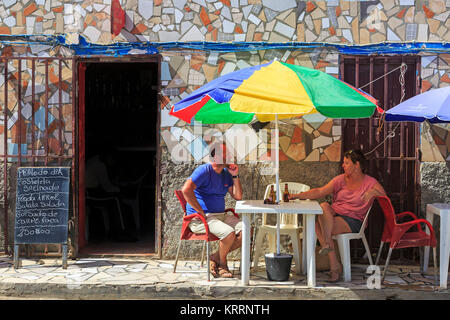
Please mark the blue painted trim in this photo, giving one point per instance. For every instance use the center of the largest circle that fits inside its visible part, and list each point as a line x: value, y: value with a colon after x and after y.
x: 85, y: 48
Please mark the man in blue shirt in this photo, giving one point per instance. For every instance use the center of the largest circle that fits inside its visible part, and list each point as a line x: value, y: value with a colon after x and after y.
x: 205, y: 192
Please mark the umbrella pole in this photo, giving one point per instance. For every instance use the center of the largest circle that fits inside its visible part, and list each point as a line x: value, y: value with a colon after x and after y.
x: 277, y: 179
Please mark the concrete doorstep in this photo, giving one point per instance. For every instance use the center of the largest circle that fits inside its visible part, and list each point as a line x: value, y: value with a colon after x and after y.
x: 119, y: 278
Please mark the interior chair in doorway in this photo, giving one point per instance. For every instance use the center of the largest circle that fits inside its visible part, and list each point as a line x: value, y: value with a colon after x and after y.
x: 134, y: 201
x: 288, y: 226
x: 102, y: 204
x: 187, y: 234
x: 343, y: 241
x: 396, y: 234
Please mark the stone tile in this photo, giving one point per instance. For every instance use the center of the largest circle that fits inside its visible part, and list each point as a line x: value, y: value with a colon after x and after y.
x: 255, y: 20
x: 284, y: 29
x: 392, y: 36
x: 394, y: 22
x: 409, y: 16
x: 411, y: 32
x: 145, y: 8
x: 279, y: 6
x: 333, y: 152
x: 92, y: 34
x: 443, y: 16
x: 433, y: 25
x: 437, y: 6
x: 321, y: 141
x: 313, y: 156
x: 422, y: 34
x: 296, y: 151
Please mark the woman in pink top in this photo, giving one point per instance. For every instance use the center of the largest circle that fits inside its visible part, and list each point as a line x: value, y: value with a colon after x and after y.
x: 353, y: 194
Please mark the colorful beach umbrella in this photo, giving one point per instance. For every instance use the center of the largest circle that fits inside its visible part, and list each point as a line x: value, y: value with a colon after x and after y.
x: 432, y: 105
x: 272, y: 91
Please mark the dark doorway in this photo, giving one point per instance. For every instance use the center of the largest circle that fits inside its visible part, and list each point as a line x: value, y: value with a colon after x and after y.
x: 121, y: 112
x: 394, y: 163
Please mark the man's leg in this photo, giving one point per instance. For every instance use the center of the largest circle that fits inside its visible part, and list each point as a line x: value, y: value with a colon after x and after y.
x: 225, y: 246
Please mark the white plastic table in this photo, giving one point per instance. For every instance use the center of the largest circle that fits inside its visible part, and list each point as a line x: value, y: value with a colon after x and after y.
x: 309, y: 208
x: 442, y: 210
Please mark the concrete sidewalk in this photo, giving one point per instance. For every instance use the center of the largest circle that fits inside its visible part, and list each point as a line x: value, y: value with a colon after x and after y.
x: 145, y: 278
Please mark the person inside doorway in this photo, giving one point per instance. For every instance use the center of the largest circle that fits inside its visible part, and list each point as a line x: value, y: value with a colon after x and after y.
x: 353, y: 194
x: 101, y: 187
x: 205, y: 192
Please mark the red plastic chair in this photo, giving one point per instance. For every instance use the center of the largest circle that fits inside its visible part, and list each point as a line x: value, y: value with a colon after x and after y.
x: 187, y: 234
x: 396, y: 233
x: 387, y: 231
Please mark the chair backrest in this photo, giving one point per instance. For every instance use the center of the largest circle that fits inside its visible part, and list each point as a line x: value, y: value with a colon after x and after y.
x: 181, y: 198
x: 286, y: 220
x: 389, y: 216
x: 365, y: 221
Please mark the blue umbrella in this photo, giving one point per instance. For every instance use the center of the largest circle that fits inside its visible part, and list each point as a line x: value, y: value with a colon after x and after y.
x: 433, y: 105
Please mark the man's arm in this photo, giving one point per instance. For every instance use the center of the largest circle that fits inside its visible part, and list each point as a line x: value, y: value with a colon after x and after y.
x: 189, y: 195
x: 236, y: 190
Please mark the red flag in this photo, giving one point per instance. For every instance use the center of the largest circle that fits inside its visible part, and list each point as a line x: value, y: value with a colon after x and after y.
x: 117, y: 17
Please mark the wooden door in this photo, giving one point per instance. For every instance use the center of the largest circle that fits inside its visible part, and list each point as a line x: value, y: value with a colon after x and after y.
x: 392, y: 160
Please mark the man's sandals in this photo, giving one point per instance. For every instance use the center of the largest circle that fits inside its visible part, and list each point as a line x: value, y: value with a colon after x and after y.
x: 213, y: 268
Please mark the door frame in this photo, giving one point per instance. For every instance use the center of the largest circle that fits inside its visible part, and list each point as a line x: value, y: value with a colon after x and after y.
x: 80, y: 214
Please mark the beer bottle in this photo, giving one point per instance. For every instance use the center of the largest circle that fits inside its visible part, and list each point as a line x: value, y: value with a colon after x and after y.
x: 286, y: 193
x: 272, y: 196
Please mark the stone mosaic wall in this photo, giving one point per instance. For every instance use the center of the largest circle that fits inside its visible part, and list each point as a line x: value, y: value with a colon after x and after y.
x: 336, y: 21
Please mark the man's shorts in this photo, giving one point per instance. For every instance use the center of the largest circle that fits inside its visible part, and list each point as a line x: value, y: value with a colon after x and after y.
x: 220, y: 224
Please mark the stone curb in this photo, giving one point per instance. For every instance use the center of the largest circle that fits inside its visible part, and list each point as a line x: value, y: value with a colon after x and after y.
x: 184, y: 291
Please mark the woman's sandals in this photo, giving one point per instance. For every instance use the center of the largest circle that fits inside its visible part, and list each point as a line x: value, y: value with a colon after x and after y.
x: 325, y: 250
x: 224, y: 272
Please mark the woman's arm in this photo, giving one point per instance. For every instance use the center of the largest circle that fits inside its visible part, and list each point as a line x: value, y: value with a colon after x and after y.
x: 315, y: 193
x: 377, y: 190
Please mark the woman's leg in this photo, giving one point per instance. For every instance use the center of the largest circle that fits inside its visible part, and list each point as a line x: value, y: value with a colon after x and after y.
x: 319, y: 233
x: 326, y: 222
x: 330, y: 225
x: 339, y: 226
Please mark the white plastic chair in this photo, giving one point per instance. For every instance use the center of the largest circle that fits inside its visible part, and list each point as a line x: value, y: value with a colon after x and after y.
x: 343, y: 241
x: 288, y: 226
x: 134, y: 202
x: 102, y: 205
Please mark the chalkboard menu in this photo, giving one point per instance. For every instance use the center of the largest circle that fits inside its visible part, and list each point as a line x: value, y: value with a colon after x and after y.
x: 42, y: 205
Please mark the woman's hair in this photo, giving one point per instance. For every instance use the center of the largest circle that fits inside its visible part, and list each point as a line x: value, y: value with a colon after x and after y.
x: 356, y: 155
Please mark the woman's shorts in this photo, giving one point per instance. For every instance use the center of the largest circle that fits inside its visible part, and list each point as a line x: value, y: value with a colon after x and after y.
x: 354, y: 224
x: 220, y: 224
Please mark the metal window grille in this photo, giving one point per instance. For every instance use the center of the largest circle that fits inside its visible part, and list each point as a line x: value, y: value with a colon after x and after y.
x: 37, y: 121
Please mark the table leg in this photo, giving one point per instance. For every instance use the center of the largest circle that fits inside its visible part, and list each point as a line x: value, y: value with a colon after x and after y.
x: 304, y: 246
x: 444, y: 250
x: 310, y: 250
x: 245, y: 249
x: 426, y: 255
x: 64, y: 256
